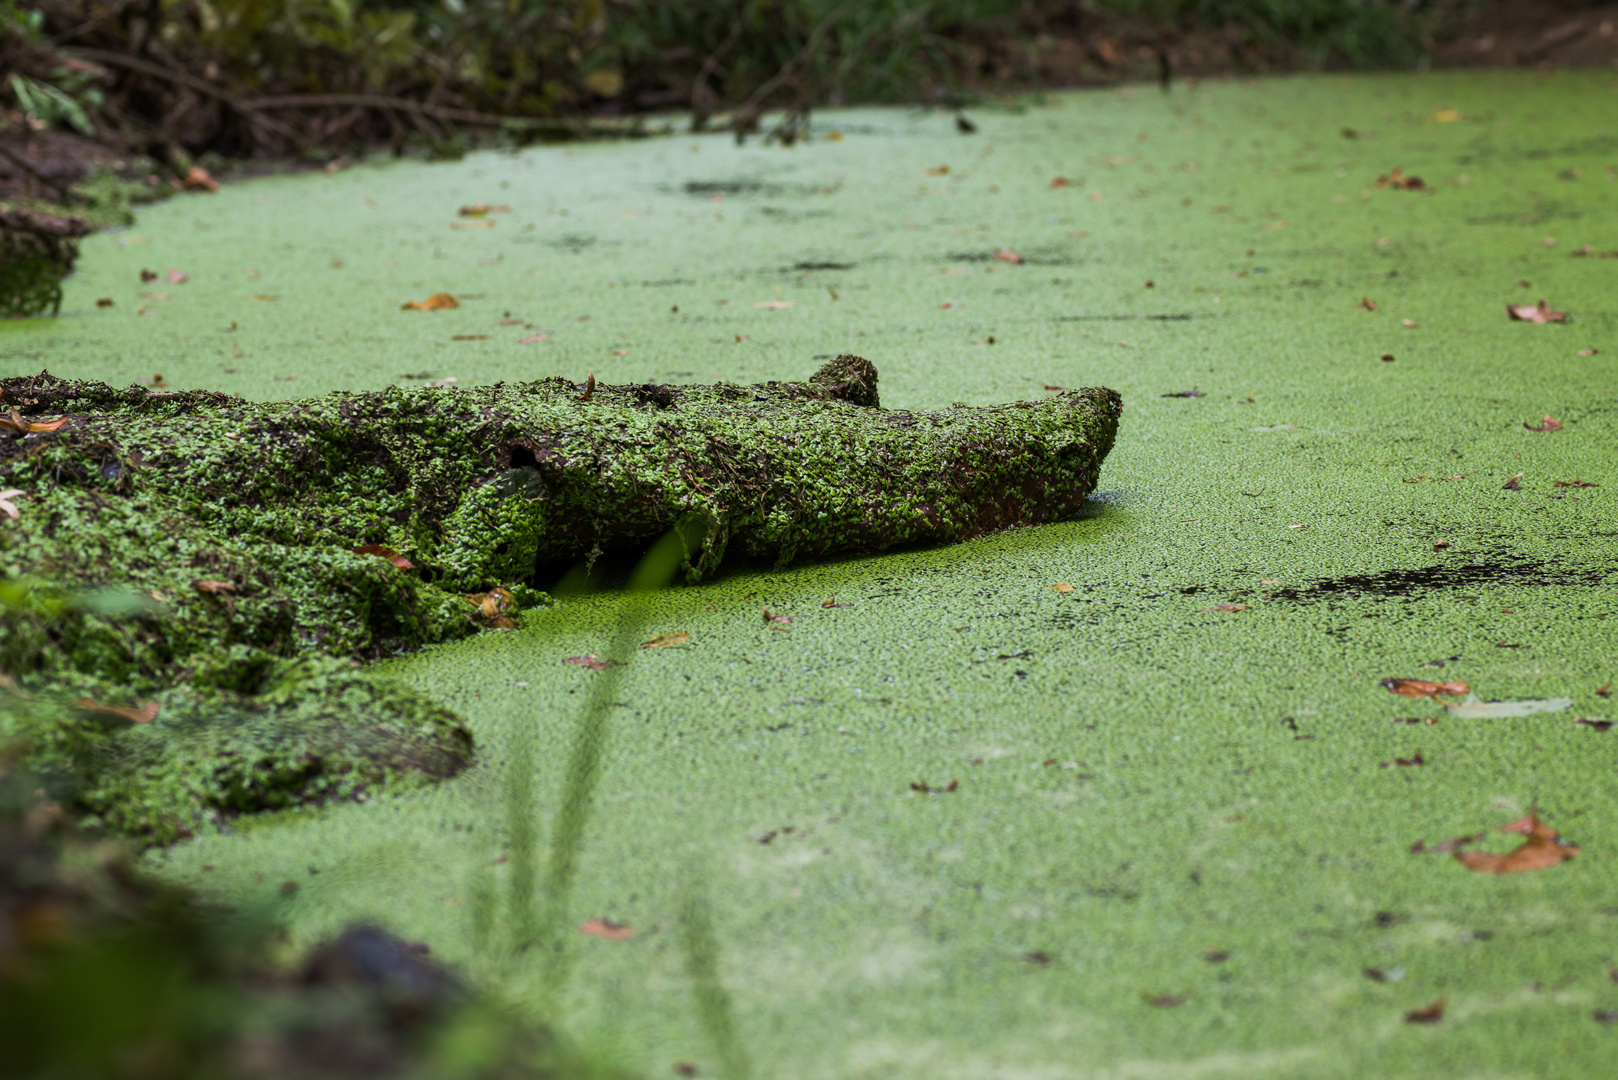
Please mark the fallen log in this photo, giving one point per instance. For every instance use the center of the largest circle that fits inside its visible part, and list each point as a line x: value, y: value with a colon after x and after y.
x: 265, y: 537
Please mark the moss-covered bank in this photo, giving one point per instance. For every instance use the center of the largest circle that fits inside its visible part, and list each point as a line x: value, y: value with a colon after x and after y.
x: 232, y: 562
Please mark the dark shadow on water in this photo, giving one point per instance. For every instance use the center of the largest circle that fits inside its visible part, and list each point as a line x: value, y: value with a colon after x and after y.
x: 1415, y: 584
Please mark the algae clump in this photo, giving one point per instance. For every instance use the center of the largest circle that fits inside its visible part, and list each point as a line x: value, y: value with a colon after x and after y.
x: 256, y: 553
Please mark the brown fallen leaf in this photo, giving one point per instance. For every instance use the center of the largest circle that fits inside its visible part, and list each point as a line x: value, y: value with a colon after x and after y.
x: 1598, y: 725
x: 1052, y: 386
x: 1226, y: 607
x: 1420, y: 688
x: 607, y: 930
x: 477, y: 210
x: 148, y: 275
x: 387, y: 553
x: 1428, y: 1014
x: 143, y: 715
x: 1366, y: 304
x: 1604, y: 691
x: 589, y: 661
x: 1513, y: 484
x: 213, y: 588
x: 937, y: 170
x: 1062, y: 587
x: 1575, y: 484
x: 663, y: 641
x: 1405, y: 762
x: 1589, y: 252
x: 1544, y: 848
x: 1398, y: 181
x: 1064, y: 181
x: 1444, y: 847
x: 1165, y: 1001
x: 196, y: 179
x: 1582, y: 352
x: 17, y: 424
x: 1006, y: 255
x: 439, y: 301
x: 771, y: 617
x: 1550, y: 423
x: 1535, y: 314
x: 927, y: 789
x: 106, y: 301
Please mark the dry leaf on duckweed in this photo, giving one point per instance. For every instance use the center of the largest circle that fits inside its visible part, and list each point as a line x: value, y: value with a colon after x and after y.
x: 1598, y: 725
x: 1006, y: 255
x: 774, y: 305
x: 1062, y: 587
x: 1544, y: 848
x: 17, y: 424
x: 1428, y: 1014
x: 477, y: 210
x: 1514, y: 484
x: 197, y: 179
x: 1535, y: 314
x: 143, y: 715
x: 438, y: 301
x: 1575, y: 484
x: 663, y: 641
x: 1604, y: 691
x: 1063, y: 181
x: 1165, y: 1001
x: 1550, y: 423
x: 1420, y: 688
x: 213, y: 588
x: 385, y: 552
x: 1185, y: 394
x: 1398, y: 181
x: 607, y: 930
x: 927, y: 789
x: 1226, y: 607
x: 772, y: 617
x: 1494, y: 710
x: 591, y: 662
x: 485, y: 223
x: 496, y: 608
x: 1366, y: 304
x: 937, y: 170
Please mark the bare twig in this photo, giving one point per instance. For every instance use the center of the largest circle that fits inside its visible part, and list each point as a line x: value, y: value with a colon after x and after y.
x: 201, y: 86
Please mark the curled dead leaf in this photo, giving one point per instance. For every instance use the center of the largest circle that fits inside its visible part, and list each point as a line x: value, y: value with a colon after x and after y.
x: 771, y: 617
x: 1544, y: 848
x: 1514, y: 484
x: 1006, y: 255
x: 143, y: 715
x: 1420, y: 688
x: 387, y: 553
x: 1550, y: 423
x: 197, y: 179
x: 1366, y: 304
x: 663, y: 641
x: 7, y: 507
x: 607, y: 930
x: 1541, y: 313
x: 213, y: 588
x: 439, y: 301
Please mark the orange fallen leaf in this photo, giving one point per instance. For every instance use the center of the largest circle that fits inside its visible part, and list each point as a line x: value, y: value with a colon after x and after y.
x: 1535, y: 314
x: 214, y: 588
x: 1544, y: 848
x: 143, y: 715
x: 439, y: 301
x: 1550, y: 423
x: 1418, y: 688
x: 1366, y: 304
x: 197, y: 179
x: 1428, y: 1014
x: 387, y: 553
x: 495, y: 608
x: 19, y: 425
x: 663, y: 641
x: 1063, y: 181
x: 607, y: 930
x: 1006, y: 255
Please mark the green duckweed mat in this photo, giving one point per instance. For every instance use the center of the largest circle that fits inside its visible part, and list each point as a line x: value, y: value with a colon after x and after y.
x: 1179, y: 840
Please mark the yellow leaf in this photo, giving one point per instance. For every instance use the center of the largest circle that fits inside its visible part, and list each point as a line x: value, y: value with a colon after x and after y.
x: 1062, y: 587
x: 678, y: 637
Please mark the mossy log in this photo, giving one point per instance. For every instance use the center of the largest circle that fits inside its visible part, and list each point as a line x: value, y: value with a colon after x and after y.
x: 240, y: 521
x: 37, y: 251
